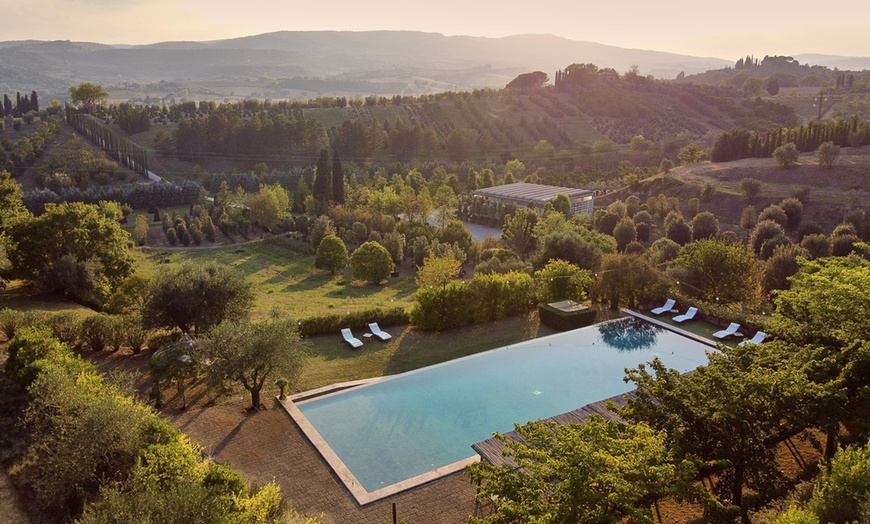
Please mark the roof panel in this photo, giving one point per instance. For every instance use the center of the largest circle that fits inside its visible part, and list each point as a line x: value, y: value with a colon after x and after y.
x: 525, y: 192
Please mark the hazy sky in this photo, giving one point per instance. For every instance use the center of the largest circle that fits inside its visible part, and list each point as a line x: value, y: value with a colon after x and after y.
x: 728, y: 30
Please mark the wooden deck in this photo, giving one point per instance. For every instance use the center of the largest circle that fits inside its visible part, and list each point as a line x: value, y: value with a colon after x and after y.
x: 491, y: 449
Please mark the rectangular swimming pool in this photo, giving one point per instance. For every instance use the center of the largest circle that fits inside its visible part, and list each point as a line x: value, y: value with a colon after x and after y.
x: 404, y: 426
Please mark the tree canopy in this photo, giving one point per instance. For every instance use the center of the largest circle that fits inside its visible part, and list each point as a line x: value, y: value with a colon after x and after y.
x: 72, y: 249
x: 253, y: 352
x: 556, y: 467
x: 197, y: 296
x: 529, y: 80
x: 88, y: 95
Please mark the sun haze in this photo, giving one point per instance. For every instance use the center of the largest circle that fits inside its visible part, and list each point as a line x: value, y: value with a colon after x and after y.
x: 726, y: 31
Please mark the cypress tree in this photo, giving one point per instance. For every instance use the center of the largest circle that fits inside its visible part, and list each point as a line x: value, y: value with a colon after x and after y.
x: 34, y: 101
x: 337, y: 179
x: 321, y: 182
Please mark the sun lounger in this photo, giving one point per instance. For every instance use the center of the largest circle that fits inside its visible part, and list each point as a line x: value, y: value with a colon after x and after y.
x: 727, y: 332
x: 688, y: 315
x: 378, y: 332
x: 350, y: 339
x: 757, y: 339
x: 667, y: 307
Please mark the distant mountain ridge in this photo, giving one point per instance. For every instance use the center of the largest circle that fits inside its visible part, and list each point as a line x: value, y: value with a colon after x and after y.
x: 348, y: 63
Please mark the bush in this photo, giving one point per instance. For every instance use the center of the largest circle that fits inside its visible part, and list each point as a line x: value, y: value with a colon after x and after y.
x: 371, y: 262
x: 498, y: 296
x: 751, y: 187
x: 96, y: 331
x: 333, y: 324
x: 786, y: 155
x: 444, y: 307
x: 763, y: 231
x: 775, y: 213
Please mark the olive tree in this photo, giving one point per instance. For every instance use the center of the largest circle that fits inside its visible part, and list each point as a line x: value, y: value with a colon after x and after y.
x: 196, y: 296
x: 786, y: 155
x: 252, y: 353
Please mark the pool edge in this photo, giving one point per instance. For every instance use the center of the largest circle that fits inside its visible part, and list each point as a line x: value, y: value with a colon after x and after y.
x: 356, y: 489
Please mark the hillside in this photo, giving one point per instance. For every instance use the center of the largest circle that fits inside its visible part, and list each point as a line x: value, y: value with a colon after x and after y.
x: 283, y: 64
x: 828, y: 192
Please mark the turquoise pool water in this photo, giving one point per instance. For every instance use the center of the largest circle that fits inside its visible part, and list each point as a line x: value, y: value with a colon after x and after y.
x: 409, y: 424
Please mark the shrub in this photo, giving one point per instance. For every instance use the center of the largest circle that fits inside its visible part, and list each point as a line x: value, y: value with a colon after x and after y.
x: 764, y: 230
x: 775, y: 213
x: 29, y: 345
x: 751, y: 187
x: 843, y: 245
x: 444, y: 307
x: 564, y: 321
x: 704, y: 225
x: 331, y: 254
x: 96, y: 331
x: 817, y: 245
x: 827, y: 154
x: 786, y: 155
x: 793, y: 209
x: 65, y: 326
x: 498, y: 296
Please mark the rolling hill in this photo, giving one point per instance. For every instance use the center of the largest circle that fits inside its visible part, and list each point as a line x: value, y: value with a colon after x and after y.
x: 279, y: 64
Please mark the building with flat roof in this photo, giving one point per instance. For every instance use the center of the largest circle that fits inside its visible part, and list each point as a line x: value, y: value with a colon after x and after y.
x: 522, y: 194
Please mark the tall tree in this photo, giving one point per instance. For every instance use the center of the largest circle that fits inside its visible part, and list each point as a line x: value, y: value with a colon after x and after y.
x: 88, y: 95
x: 71, y: 244
x: 730, y: 413
x: 337, y: 179
x: 518, y: 231
x: 322, y: 178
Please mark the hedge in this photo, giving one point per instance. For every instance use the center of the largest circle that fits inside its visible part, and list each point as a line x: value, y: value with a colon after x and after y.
x: 333, y: 324
x: 566, y: 320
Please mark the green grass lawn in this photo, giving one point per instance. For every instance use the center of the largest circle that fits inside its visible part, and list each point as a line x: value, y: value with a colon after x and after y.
x: 332, y: 360
x: 698, y: 327
x: 288, y: 281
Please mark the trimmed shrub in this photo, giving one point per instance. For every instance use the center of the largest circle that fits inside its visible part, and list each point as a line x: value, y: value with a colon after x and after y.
x: 566, y: 320
x: 444, y: 307
x: 333, y: 324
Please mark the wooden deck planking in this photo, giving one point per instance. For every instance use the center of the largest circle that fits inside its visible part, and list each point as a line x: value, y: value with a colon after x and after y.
x: 491, y: 450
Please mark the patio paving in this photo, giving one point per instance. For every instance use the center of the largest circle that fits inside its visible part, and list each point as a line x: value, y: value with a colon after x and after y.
x: 269, y: 445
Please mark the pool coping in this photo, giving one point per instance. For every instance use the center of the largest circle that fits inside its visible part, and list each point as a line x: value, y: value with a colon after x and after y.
x: 356, y: 489
x: 669, y: 327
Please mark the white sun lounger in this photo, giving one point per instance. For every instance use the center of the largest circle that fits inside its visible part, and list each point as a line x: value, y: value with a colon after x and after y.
x: 757, y: 339
x: 350, y: 339
x: 727, y: 332
x: 378, y: 332
x: 688, y: 315
x: 669, y: 305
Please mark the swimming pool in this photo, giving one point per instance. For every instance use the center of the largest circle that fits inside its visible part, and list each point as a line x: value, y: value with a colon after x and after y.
x: 404, y: 426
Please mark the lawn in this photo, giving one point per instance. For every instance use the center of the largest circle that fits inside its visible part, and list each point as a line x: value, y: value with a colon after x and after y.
x: 288, y: 281
x: 332, y: 360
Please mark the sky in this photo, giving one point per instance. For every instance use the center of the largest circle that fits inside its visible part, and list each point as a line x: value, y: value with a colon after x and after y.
x: 729, y: 30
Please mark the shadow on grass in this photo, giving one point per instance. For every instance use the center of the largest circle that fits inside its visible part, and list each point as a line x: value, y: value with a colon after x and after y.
x: 417, y: 348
